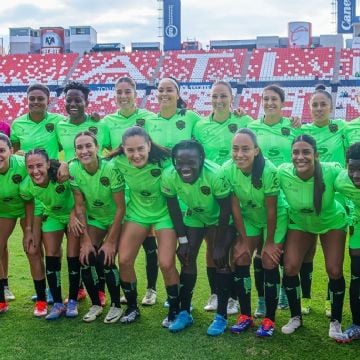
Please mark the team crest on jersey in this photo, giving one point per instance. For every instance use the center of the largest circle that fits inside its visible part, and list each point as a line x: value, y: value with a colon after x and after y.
x: 60, y: 189
x: 180, y: 124
x: 56, y: 208
x: 232, y: 128
x: 333, y: 128
x: 140, y: 122
x: 205, y: 190
x: 17, y: 178
x: 251, y: 204
x: 105, y: 181
x: 145, y: 193
x: 98, y: 203
x: 285, y: 131
x: 93, y: 129
x: 49, y: 127
x: 198, y: 210
x: 155, y: 172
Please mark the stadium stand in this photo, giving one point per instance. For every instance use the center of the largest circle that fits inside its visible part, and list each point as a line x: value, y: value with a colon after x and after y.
x: 349, y: 64
x: 107, y: 67
x: 23, y: 69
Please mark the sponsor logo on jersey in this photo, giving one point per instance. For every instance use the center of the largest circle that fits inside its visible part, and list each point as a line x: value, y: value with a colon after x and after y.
x: 56, y: 208
x: 205, y: 190
x: 180, y: 124
x: 17, y: 178
x: 155, y: 172
x: 198, y: 209
x: 98, y: 203
x: 7, y: 199
x: 250, y: 204
x: 105, y: 181
x: 306, y: 211
x: 274, y: 151
x: 285, y: 131
x: 232, y: 128
x: 188, y: 212
x: 333, y: 128
x: 322, y: 150
x: 224, y: 152
x: 93, y: 129
x: 140, y: 122
x: 60, y: 189
x: 49, y: 127
x: 145, y: 193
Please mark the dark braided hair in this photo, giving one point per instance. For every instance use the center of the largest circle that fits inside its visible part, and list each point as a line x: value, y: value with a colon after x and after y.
x: 259, y: 160
x: 353, y: 152
x: 319, y: 186
x: 157, y: 153
x: 75, y: 85
x: 54, y: 164
x: 189, y: 145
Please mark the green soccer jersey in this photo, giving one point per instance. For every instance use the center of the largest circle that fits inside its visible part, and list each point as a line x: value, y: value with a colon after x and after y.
x: 252, y: 200
x: 146, y: 201
x: 352, y: 131
x: 97, y: 189
x: 330, y: 140
x: 169, y: 132
x: 117, y: 124
x: 216, y: 137
x: 57, y: 199
x: 345, y: 186
x: 200, y: 197
x: 30, y: 135
x: 11, y: 203
x: 275, y: 140
x: 300, y: 193
x: 66, y: 132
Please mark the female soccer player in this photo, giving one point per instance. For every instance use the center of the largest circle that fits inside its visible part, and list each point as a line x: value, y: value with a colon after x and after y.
x: 12, y: 172
x: 348, y: 184
x: 58, y: 202
x: 275, y: 134
x: 308, y: 186
x: 99, y: 206
x: 200, y: 185
x: 76, y: 102
x: 128, y: 115
x: 259, y: 212
x: 141, y: 162
x: 215, y: 133
x: 331, y: 140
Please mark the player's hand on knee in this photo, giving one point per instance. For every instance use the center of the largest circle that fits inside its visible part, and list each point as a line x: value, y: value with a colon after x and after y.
x: 183, y: 252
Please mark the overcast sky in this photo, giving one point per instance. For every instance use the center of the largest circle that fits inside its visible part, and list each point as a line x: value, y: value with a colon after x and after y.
x: 137, y: 20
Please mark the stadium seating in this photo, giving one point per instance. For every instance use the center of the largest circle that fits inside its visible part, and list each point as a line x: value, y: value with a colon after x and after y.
x: 291, y: 64
x: 107, y: 67
x: 204, y: 66
x: 346, y: 104
x: 349, y: 64
x: 23, y: 69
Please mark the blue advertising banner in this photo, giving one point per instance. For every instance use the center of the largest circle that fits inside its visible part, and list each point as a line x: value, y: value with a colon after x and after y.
x: 172, y: 25
x: 346, y: 16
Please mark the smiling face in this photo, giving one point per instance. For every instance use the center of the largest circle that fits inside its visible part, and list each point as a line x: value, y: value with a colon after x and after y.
x: 167, y: 94
x: 221, y: 98
x: 137, y: 149
x: 38, y: 102
x: 244, y: 152
x: 320, y: 107
x: 354, y: 172
x: 75, y: 104
x: 188, y: 165
x: 5, y: 152
x: 125, y: 97
x: 86, y: 149
x: 272, y: 103
x: 303, y: 158
x: 37, y: 167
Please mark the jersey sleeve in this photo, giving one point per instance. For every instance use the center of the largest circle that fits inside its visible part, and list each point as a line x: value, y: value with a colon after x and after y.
x: 167, y: 183
x: 271, y: 182
x: 13, y: 133
x: 107, y: 142
x: 72, y: 171
x: 221, y: 186
x: 25, y: 191
x: 117, y: 182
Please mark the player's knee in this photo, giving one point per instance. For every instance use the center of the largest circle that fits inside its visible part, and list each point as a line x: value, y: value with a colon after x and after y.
x: 243, y: 259
x: 334, y: 271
